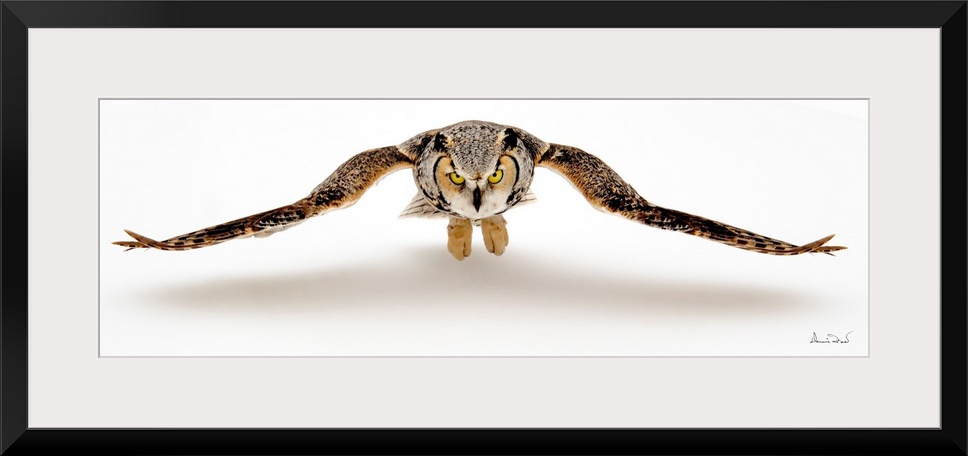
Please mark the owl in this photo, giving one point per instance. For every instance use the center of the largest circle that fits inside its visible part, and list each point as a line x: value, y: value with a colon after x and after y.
x: 471, y: 173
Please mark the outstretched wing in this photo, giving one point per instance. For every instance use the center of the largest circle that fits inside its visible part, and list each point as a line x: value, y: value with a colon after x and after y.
x: 606, y: 191
x: 340, y: 190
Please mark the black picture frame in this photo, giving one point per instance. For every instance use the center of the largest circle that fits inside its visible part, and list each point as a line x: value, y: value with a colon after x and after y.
x: 17, y: 17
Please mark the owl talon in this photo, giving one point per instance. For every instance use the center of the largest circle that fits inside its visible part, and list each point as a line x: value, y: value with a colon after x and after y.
x: 495, y: 234
x: 459, y: 233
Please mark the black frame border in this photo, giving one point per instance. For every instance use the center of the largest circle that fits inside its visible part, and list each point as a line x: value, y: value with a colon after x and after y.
x: 17, y: 16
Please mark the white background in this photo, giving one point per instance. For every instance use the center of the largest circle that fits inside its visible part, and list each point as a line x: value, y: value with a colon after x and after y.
x: 71, y: 386
x: 574, y: 282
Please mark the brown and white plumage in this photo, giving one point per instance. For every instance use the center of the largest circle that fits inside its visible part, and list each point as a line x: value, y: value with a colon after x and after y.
x: 472, y: 172
x: 608, y: 192
x: 340, y: 190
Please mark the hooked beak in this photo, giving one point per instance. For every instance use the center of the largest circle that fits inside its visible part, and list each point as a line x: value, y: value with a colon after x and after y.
x: 477, y: 199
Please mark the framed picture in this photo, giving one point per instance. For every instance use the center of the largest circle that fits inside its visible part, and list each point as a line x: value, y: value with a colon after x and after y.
x: 357, y: 332
x: 570, y: 258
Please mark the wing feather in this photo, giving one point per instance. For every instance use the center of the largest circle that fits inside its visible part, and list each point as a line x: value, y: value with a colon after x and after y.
x: 607, y: 191
x: 340, y: 190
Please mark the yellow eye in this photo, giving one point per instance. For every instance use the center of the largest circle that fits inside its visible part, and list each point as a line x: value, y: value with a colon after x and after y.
x: 496, y: 177
x: 456, y: 178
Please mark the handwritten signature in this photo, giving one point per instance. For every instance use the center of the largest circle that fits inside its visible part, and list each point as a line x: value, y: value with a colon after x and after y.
x: 831, y: 339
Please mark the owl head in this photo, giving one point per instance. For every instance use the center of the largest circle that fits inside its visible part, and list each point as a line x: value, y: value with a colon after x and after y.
x: 475, y: 169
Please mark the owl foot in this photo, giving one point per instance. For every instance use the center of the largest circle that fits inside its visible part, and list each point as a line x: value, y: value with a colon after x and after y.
x: 495, y: 234
x: 459, y: 233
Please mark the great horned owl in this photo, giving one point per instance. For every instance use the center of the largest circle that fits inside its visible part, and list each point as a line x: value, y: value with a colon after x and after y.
x: 472, y: 172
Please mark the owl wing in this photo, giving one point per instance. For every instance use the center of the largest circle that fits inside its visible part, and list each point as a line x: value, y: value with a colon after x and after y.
x: 340, y: 190
x: 606, y: 191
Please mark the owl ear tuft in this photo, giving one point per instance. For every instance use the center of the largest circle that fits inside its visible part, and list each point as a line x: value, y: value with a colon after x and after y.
x: 440, y: 142
x: 510, y: 139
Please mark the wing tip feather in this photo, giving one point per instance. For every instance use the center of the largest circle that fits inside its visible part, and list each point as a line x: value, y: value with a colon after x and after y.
x: 819, y: 247
x: 140, y: 242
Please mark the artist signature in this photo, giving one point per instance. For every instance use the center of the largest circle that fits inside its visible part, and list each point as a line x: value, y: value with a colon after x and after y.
x: 830, y: 339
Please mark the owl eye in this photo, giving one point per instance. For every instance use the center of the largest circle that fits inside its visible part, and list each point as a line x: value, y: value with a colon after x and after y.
x: 496, y: 177
x: 456, y: 178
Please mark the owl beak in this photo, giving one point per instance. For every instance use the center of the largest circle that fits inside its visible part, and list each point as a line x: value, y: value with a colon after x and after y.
x: 477, y: 199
